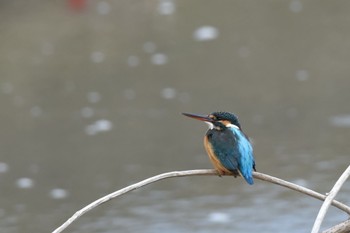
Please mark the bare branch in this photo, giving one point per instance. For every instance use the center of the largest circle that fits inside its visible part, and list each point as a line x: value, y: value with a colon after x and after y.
x: 300, y: 189
x: 156, y: 178
x: 343, y: 227
x: 327, y: 202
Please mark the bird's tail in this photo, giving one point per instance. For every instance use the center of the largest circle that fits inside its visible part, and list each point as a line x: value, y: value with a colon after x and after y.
x: 247, y: 177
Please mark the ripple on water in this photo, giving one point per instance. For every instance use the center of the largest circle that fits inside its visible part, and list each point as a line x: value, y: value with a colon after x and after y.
x: 4, y: 167
x: 7, y: 88
x: 133, y: 61
x: 301, y: 182
x: 36, y: 111
x: 99, y: 126
x: 93, y: 97
x: 87, y: 112
x: 295, y: 6
x: 149, y: 47
x: 302, y: 75
x: 205, y: 33
x: 340, y: 120
x: 25, y: 183
x: 103, y: 8
x: 97, y: 57
x: 218, y: 217
x: 168, y: 93
x: 166, y: 7
x: 129, y: 94
x: 159, y: 59
x: 58, y: 193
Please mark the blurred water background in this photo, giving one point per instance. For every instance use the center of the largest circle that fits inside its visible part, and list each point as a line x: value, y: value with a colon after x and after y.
x: 91, y: 96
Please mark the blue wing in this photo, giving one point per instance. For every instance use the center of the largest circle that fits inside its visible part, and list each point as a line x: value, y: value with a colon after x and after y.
x: 234, y: 151
x: 245, y: 156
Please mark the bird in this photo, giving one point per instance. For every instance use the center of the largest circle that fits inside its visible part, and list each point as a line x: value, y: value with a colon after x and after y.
x: 228, y: 148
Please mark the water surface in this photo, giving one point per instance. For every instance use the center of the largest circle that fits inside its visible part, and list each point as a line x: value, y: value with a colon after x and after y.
x: 91, y: 96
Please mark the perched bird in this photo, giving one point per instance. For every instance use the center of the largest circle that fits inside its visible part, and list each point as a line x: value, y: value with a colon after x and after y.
x: 228, y: 147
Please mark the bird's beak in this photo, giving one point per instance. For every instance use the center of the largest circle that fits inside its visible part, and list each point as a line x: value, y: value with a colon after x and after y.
x: 198, y: 117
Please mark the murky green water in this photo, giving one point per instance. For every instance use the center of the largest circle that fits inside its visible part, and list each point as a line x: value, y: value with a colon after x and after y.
x: 91, y: 102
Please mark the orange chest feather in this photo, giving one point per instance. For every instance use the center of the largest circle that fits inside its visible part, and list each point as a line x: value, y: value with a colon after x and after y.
x: 214, y: 160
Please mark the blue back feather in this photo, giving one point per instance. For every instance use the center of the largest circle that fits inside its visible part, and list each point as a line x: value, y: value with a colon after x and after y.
x: 245, y: 155
x: 234, y: 151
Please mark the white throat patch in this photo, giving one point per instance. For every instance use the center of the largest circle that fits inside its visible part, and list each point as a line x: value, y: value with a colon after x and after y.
x: 211, y: 126
x: 232, y: 126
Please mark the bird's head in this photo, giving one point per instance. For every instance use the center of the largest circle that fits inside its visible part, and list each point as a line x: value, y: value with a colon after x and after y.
x: 217, y: 120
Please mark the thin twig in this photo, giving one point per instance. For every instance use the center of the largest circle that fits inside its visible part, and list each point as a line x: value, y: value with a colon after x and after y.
x: 156, y: 178
x: 300, y: 189
x: 327, y: 202
x: 122, y: 191
x: 343, y: 227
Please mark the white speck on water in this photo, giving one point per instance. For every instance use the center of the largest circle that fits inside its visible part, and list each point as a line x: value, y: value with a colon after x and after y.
x: 103, y: 8
x: 4, y: 167
x: 295, y: 6
x: 325, y: 165
x: 129, y: 94
x: 166, y: 7
x: 244, y: 52
x: 97, y: 57
x: 133, y: 61
x: 103, y: 125
x: 168, y: 93
x: 98, y: 126
x: 58, y: 193
x: 91, y: 130
x: 24, y: 183
x: 149, y: 47
x: 36, y: 111
x: 7, y: 88
x: 219, y: 217
x: 87, y: 112
x: 206, y: 33
x: 131, y: 168
x: 340, y: 120
x: 159, y: 59
x: 93, y: 97
x: 302, y: 75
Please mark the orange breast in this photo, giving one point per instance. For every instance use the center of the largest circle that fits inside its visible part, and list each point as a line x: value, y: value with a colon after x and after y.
x: 214, y: 160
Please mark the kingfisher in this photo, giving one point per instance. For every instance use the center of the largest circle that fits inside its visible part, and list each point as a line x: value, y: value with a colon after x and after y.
x: 229, y: 149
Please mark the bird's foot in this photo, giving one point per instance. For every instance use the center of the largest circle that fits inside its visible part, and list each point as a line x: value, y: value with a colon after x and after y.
x: 235, y: 173
x: 220, y: 173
